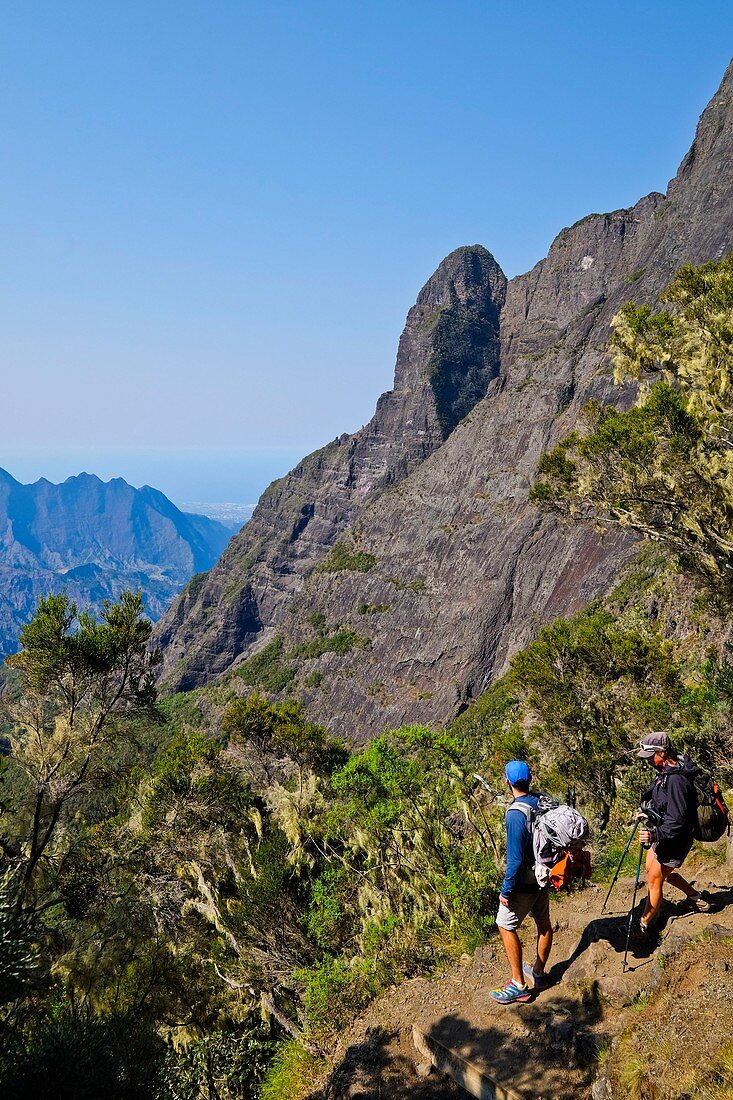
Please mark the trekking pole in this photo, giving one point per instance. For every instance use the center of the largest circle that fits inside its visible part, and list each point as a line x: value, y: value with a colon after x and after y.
x: 620, y: 864
x: 642, y: 848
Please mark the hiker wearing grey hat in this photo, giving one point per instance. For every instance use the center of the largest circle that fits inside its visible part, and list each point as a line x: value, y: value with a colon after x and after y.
x: 672, y: 801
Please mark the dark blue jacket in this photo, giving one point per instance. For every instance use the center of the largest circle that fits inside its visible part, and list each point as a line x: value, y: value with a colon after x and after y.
x: 519, y: 852
x: 674, y: 797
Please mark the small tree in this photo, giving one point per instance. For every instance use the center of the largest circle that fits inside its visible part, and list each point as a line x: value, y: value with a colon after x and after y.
x: 79, y: 678
x: 263, y: 735
x: 665, y: 467
x: 592, y: 685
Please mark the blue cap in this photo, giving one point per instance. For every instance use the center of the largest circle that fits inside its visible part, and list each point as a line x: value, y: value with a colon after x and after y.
x: 517, y: 771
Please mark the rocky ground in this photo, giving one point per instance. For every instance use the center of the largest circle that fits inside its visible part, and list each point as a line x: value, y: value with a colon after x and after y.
x: 651, y: 1031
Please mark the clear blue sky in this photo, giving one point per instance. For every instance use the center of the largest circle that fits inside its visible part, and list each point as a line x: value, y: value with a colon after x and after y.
x: 216, y: 215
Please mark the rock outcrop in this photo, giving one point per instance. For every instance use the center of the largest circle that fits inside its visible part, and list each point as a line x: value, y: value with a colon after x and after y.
x: 445, y: 568
x: 448, y: 358
x: 93, y: 539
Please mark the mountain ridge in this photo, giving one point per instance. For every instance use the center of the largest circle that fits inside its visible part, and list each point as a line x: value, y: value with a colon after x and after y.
x: 94, y: 539
x: 464, y: 569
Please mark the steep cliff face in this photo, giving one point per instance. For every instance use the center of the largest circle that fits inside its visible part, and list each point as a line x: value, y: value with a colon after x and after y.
x: 93, y: 539
x: 448, y: 356
x: 462, y: 569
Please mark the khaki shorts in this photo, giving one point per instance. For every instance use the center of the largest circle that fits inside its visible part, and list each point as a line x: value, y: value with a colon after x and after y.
x: 520, y: 905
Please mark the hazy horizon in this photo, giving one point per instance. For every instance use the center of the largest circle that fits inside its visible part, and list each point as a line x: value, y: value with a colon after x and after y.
x: 206, y: 475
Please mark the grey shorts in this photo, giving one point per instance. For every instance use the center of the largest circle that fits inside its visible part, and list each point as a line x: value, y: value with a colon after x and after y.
x: 521, y: 903
x: 672, y: 853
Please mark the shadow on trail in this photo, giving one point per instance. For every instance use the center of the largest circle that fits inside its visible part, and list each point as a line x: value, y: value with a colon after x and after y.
x: 371, y: 1071
x: 556, y: 1036
x: 559, y: 1032
x: 613, y: 930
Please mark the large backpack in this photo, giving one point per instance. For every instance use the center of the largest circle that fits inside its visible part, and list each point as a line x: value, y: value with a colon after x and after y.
x: 712, y: 819
x: 559, y: 834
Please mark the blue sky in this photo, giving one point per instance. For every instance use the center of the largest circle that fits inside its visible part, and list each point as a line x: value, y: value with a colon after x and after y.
x: 216, y: 215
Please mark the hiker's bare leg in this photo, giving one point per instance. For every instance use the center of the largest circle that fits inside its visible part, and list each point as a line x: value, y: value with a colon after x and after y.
x: 544, y: 946
x: 654, y: 883
x: 657, y: 875
x: 674, y: 878
x: 513, y: 948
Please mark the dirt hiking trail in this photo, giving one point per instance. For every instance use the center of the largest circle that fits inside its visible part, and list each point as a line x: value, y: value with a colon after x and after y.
x: 652, y: 1032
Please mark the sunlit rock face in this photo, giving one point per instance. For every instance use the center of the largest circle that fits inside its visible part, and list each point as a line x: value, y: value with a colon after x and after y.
x: 463, y: 570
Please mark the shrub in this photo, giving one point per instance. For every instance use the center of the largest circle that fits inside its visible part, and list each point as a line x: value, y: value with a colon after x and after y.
x: 266, y: 669
x: 341, y: 557
x: 318, y: 621
x: 234, y: 1062
x: 336, y: 990
x: 292, y: 1074
x: 75, y: 1056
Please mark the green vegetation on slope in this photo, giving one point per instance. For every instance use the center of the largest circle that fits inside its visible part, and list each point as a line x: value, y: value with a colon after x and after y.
x: 171, y: 877
x: 665, y: 467
x: 343, y: 557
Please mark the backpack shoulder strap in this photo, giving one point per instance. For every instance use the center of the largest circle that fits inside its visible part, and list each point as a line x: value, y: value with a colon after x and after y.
x: 525, y: 808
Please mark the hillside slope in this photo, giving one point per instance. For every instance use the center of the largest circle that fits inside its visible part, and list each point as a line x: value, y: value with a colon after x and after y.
x: 446, y: 569
x: 94, y: 539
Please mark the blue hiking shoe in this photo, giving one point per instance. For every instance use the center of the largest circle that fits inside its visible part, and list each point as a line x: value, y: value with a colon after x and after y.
x: 511, y: 993
x: 537, y: 982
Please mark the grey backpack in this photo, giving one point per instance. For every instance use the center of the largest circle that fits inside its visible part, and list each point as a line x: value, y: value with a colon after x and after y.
x: 556, y: 829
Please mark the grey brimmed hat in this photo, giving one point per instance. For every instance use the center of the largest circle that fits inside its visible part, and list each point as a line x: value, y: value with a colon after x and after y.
x: 654, y: 742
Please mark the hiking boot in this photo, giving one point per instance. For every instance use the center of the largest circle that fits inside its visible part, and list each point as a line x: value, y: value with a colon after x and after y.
x: 698, y: 904
x: 640, y: 932
x: 511, y: 993
x: 538, y: 982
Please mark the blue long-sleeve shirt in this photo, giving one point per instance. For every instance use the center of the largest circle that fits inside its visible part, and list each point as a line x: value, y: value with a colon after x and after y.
x: 519, y: 852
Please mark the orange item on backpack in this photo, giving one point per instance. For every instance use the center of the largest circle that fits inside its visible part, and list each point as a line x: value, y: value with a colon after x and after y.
x: 572, y: 866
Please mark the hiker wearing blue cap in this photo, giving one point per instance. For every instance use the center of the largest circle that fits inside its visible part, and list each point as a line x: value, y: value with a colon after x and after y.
x: 520, y: 894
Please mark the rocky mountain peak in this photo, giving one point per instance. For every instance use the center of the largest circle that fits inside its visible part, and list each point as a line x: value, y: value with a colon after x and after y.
x: 449, y: 351
x: 713, y: 143
x: 469, y: 275
x: 447, y: 360
x: 445, y: 569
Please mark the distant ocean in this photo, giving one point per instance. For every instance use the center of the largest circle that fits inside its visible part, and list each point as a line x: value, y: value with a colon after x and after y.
x: 231, y: 515
x: 195, y: 478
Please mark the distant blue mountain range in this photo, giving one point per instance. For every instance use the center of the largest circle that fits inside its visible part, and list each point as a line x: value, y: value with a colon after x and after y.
x: 93, y: 539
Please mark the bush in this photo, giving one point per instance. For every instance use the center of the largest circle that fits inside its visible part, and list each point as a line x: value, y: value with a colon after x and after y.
x: 77, y: 1056
x: 292, y: 1074
x: 266, y: 669
x: 235, y: 1062
x: 340, y: 557
x: 336, y: 990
